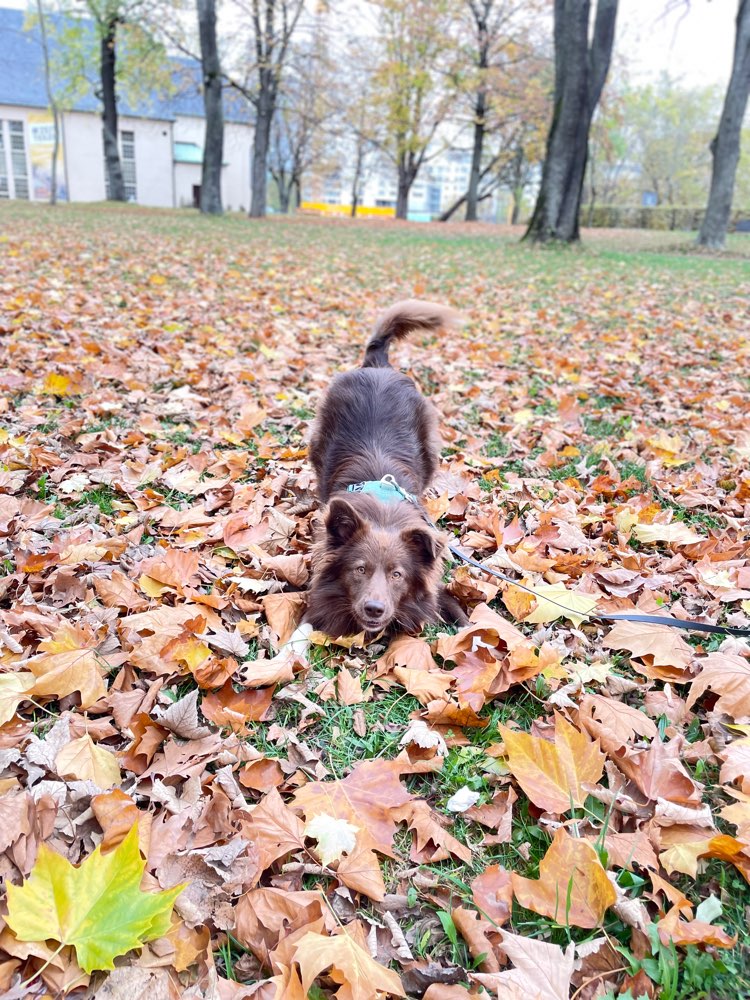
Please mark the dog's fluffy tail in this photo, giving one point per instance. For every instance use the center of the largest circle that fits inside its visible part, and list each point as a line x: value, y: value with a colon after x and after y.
x: 400, y: 320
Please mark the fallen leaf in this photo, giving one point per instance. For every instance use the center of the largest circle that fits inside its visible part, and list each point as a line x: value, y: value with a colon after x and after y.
x: 552, y: 774
x: 572, y: 888
x: 98, y: 907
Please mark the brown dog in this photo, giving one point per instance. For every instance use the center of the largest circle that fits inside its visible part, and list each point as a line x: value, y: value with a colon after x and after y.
x: 378, y: 562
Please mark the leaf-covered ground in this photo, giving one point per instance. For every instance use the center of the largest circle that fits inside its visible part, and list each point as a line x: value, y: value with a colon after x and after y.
x: 534, y: 806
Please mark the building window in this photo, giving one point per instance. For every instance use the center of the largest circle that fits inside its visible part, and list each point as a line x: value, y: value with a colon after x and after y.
x: 4, y: 189
x: 13, y: 142
x: 127, y: 151
x: 127, y: 162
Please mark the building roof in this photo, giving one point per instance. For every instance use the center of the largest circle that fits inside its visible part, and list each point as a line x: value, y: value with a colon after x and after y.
x: 22, y: 79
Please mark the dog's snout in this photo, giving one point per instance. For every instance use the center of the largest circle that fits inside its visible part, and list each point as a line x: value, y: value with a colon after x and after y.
x: 374, y: 609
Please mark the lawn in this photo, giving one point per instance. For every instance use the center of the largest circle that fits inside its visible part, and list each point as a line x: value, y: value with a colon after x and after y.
x: 434, y: 816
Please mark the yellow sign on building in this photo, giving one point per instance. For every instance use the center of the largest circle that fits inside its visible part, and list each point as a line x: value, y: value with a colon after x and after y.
x: 41, y: 147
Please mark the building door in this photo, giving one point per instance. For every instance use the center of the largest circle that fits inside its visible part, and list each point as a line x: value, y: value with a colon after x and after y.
x: 14, y: 169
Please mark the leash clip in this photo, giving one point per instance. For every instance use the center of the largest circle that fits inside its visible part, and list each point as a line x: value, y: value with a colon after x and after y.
x: 389, y: 480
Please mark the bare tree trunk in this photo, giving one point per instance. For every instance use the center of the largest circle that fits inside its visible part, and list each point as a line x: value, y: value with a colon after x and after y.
x: 452, y: 209
x: 480, y: 110
x: 580, y: 72
x: 264, y: 116
x: 356, y: 180
x: 285, y: 191
x: 592, y: 190
x: 107, y: 66
x: 515, y: 215
x: 213, y: 146
x: 725, y: 148
x: 52, y: 103
x: 404, y: 186
x: 476, y: 158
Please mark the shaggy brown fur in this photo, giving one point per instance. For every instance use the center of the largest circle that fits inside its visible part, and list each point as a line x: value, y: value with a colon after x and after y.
x: 378, y: 564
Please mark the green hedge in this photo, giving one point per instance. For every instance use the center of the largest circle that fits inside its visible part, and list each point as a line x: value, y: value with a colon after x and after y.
x: 664, y: 217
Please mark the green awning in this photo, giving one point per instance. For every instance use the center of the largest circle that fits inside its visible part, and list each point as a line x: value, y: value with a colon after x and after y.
x: 188, y: 152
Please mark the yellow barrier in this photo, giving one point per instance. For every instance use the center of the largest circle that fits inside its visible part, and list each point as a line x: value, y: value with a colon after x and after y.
x: 363, y: 211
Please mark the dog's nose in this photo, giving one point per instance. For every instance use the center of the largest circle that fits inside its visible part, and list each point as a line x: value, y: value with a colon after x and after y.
x: 374, y: 609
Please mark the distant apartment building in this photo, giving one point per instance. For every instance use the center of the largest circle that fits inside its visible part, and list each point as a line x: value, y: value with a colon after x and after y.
x: 161, y: 140
x: 442, y: 180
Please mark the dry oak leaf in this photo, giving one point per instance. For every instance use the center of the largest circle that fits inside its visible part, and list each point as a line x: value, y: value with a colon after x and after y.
x: 552, y: 774
x: 728, y: 676
x: 349, y: 964
x: 273, y: 829
x: 613, y: 722
x: 663, y: 645
x: 69, y: 662
x: 13, y: 690
x: 83, y: 760
x: 572, y: 887
x: 368, y: 797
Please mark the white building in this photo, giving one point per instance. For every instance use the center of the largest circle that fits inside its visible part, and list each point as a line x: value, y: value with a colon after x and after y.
x: 441, y: 181
x: 160, y: 141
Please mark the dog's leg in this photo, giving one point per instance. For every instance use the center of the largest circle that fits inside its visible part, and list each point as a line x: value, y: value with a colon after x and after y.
x: 451, y: 611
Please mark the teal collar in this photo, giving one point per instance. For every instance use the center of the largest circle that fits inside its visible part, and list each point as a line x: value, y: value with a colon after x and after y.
x: 386, y: 489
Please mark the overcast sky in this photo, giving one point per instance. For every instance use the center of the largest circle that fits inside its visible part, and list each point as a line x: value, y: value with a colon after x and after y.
x: 695, y: 46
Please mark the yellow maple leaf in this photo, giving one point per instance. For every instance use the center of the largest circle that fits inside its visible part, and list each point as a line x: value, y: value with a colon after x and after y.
x: 83, y: 760
x: 552, y: 774
x: 98, y: 907
x: 13, y: 690
x: 68, y: 662
x: 350, y: 961
x: 550, y: 596
x: 56, y: 385
x: 572, y: 887
x: 676, y: 533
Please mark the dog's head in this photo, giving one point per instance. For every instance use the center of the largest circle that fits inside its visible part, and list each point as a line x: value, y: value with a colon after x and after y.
x: 386, y: 559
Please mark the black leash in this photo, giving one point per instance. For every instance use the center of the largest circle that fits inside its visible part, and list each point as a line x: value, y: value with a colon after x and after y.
x: 591, y: 616
x: 389, y: 482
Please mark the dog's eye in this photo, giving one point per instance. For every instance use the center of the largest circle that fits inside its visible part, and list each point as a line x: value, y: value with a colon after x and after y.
x: 397, y: 574
x: 359, y: 569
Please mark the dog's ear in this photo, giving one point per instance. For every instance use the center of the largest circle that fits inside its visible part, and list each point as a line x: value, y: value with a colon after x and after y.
x: 342, y: 521
x: 424, y: 544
